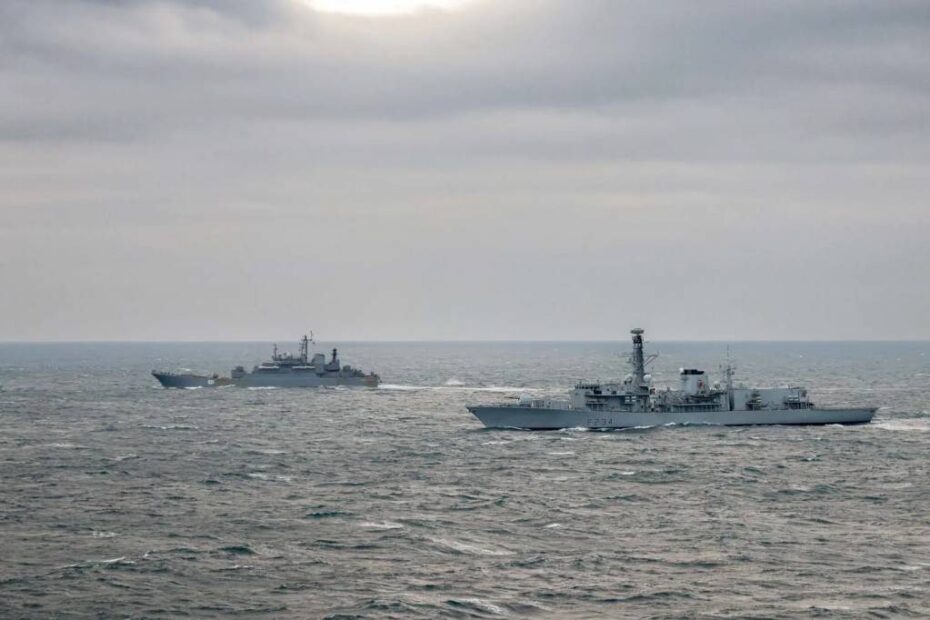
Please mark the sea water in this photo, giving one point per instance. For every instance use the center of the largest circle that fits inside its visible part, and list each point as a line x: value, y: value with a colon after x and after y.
x: 119, y: 498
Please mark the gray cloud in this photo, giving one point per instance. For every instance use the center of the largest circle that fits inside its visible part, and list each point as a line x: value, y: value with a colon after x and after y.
x: 510, y: 170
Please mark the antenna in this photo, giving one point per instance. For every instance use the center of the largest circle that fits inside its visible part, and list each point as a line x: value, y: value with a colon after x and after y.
x: 305, y: 347
x: 728, y: 374
x: 728, y: 370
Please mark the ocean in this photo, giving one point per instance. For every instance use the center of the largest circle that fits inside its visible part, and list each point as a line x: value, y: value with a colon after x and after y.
x: 119, y: 498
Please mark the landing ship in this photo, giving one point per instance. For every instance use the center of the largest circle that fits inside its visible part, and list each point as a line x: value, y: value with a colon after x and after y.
x: 283, y: 370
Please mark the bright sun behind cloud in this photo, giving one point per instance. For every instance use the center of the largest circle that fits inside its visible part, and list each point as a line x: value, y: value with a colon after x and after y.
x: 381, y: 7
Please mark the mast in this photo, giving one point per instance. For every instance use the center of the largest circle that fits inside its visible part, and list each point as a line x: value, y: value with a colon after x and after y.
x: 639, y: 362
x: 304, y: 349
x: 728, y: 374
x: 728, y: 371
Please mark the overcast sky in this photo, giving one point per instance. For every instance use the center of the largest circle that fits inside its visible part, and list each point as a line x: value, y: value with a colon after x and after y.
x: 508, y: 169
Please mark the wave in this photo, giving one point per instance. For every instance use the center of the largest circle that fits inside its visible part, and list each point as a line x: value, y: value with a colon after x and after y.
x: 502, y: 389
x: 234, y: 567
x: 383, y: 525
x: 402, y: 388
x: 921, y: 425
x: 172, y: 427
x: 67, y: 446
x: 475, y: 607
x: 237, y: 550
x: 327, y: 514
x: 468, y: 549
x: 123, y: 457
x: 108, y: 563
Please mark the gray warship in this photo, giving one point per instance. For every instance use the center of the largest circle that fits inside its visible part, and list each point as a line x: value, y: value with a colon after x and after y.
x: 283, y: 370
x: 634, y: 402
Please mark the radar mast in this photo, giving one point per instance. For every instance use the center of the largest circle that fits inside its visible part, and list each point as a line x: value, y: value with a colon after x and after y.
x: 305, y: 347
x: 639, y: 361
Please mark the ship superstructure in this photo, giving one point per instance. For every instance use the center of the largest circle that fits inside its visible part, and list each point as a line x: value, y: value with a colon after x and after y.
x: 634, y: 401
x: 288, y: 370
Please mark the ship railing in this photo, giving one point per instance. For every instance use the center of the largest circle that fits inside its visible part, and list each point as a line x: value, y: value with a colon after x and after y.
x: 540, y: 403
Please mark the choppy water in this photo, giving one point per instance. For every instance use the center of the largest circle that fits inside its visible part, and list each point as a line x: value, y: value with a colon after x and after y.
x: 119, y: 498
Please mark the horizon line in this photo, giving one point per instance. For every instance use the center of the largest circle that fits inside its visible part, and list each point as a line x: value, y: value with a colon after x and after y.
x: 480, y: 341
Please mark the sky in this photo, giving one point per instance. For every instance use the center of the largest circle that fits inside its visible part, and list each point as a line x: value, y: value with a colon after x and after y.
x: 471, y: 170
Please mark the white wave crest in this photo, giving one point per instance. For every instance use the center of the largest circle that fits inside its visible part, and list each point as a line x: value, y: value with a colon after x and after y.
x: 907, y: 424
x: 401, y: 388
x: 500, y: 389
x: 461, y: 547
x: 382, y: 525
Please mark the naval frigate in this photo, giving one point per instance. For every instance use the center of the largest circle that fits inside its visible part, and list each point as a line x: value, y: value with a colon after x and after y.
x: 283, y: 370
x: 634, y: 402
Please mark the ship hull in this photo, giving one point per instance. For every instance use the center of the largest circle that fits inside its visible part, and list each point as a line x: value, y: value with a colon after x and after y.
x: 536, y: 418
x: 191, y: 381
x: 188, y: 381
x: 295, y: 380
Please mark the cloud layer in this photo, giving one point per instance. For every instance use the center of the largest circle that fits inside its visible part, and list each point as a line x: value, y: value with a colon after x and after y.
x: 513, y: 169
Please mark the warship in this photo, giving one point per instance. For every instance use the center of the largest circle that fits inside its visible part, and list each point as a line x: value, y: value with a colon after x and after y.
x: 634, y: 402
x: 283, y: 370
